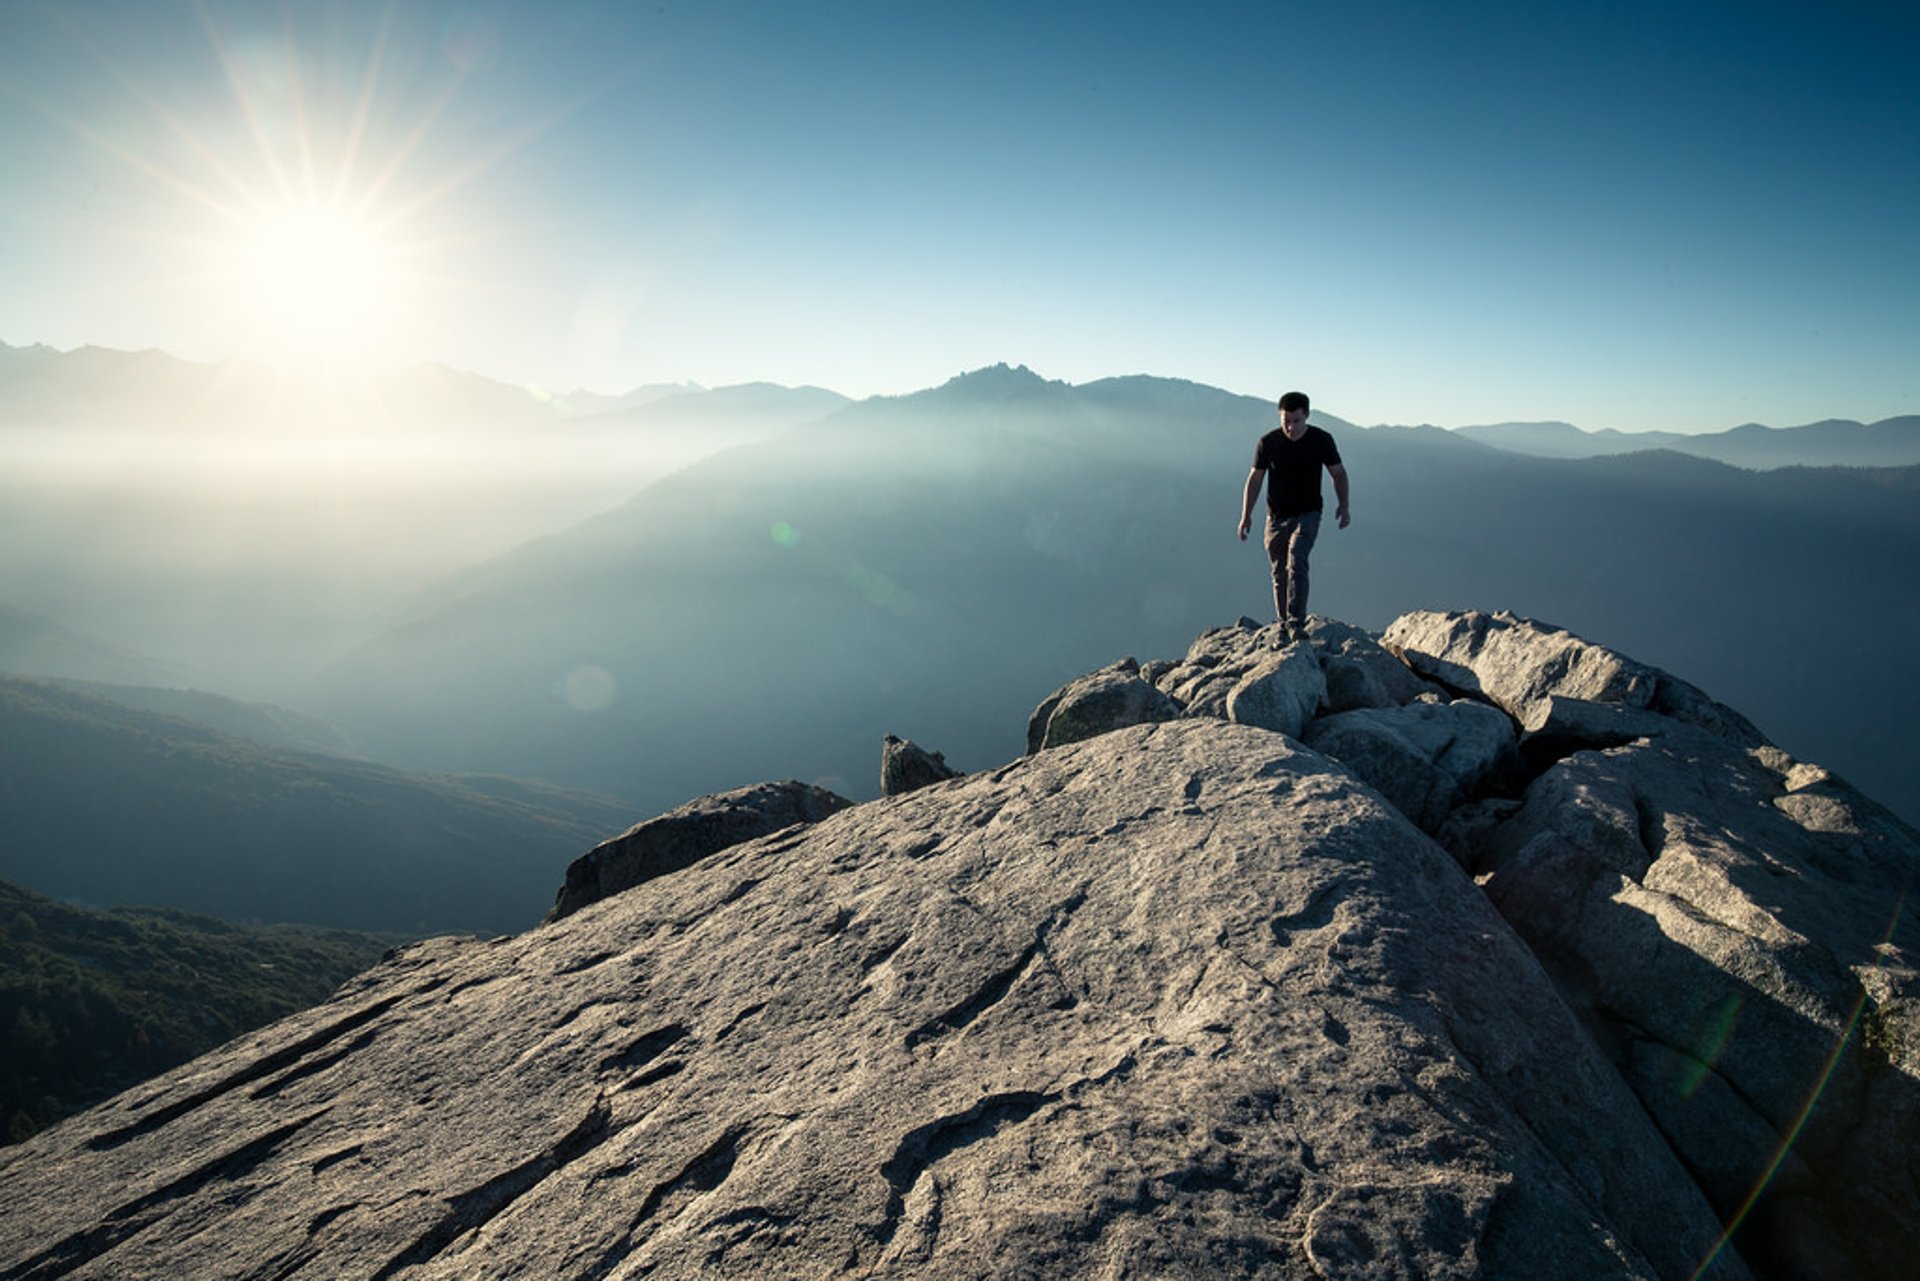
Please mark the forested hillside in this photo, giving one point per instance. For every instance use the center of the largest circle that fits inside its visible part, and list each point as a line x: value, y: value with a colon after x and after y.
x: 92, y: 1002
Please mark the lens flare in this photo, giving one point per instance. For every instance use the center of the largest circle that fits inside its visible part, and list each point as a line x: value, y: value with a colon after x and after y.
x: 589, y: 688
x: 1712, y: 1037
x: 1806, y: 1109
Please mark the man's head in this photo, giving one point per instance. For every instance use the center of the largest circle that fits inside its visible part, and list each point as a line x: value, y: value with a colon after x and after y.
x: 1293, y: 413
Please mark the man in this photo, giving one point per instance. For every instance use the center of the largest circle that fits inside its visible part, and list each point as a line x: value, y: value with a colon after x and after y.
x: 1289, y: 460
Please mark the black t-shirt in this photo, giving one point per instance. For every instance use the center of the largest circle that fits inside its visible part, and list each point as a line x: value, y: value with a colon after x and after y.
x: 1293, y: 469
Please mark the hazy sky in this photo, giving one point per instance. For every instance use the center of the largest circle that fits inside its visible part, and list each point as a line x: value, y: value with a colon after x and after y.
x: 1665, y: 215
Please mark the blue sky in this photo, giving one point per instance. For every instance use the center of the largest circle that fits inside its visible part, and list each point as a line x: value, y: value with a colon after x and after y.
x: 1645, y: 216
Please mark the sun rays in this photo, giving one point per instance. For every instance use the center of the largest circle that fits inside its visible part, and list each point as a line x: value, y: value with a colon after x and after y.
x: 303, y: 194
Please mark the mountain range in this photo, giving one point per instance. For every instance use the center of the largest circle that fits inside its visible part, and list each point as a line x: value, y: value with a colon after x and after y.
x: 1893, y: 442
x: 151, y: 390
x: 240, y: 530
x: 917, y: 564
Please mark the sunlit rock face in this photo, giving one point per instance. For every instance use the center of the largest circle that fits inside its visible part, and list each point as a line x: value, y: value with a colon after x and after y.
x: 1186, y: 997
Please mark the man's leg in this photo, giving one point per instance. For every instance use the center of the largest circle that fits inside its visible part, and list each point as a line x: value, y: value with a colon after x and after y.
x: 1279, y: 534
x: 1306, y: 528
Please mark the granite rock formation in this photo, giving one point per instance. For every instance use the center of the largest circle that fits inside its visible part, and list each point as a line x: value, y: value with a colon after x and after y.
x: 1112, y: 698
x: 1185, y: 999
x: 681, y: 837
x: 1729, y: 922
x: 1426, y: 758
x: 1528, y: 668
x: 1172, y: 995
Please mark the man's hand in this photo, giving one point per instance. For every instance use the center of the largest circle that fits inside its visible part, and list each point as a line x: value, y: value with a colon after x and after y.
x: 1247, y: 500
x: 1344, y: 518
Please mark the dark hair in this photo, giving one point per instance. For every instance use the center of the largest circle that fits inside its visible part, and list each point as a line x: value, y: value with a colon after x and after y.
x: 1295, y: 400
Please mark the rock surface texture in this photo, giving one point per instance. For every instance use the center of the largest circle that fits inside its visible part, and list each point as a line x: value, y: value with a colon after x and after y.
x: 1186, y: 997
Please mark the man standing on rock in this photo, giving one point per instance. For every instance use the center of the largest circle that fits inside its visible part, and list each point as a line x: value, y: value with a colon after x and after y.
x: 1289, y: 459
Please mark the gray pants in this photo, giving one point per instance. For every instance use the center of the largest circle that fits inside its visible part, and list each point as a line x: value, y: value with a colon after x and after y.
x: 1289, y: 542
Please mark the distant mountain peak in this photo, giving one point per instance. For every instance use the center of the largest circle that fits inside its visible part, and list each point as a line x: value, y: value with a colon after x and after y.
x: 995, y: 383
x: 1001, y: 380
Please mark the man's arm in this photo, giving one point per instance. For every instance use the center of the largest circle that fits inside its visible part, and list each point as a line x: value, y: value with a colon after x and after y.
x: 1339, y: 473
x: 1254, y: 478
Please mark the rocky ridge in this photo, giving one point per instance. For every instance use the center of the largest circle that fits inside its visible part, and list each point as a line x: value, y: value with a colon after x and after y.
x: 1470, y: 949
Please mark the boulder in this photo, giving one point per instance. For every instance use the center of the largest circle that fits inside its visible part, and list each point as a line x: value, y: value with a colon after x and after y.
x: 1281, y: 692
x: 1425, y: 758
x: 1216, y: 663
x: 1360, y: 671
x: 1521, y: 665
x: 1114, y: 697
x: 1180, y: 1000
x: 906, y: 767
x: 683, y: 836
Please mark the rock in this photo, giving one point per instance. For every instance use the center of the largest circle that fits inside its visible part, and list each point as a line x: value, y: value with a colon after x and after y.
x: 1522, y: 665
x: 1729, y: 922
x: 681, y: 837
x: 1567, y: 725
x: 1214, y: 666
x: 905, y: 767
x: 1426, y: 758
x: 1360, y: 671
x: 1114, y: 697
x: 1281, y: 692
x: 1181, y: 1000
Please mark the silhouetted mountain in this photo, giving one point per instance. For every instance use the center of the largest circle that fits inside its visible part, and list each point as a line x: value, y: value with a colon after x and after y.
x: 96, y: 1001
x: 1894, y: 442
x: 911, y: 563
x: 106, y: 804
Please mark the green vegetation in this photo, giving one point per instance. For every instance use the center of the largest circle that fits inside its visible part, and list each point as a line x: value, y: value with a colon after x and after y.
x: 92, y: 1002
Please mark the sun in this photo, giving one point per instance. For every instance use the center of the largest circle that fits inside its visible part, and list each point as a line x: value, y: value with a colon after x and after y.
x: 304, y: 189
x: 318, y: 278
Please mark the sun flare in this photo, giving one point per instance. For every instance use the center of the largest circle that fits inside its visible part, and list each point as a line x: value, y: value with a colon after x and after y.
x: 304, y: 190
